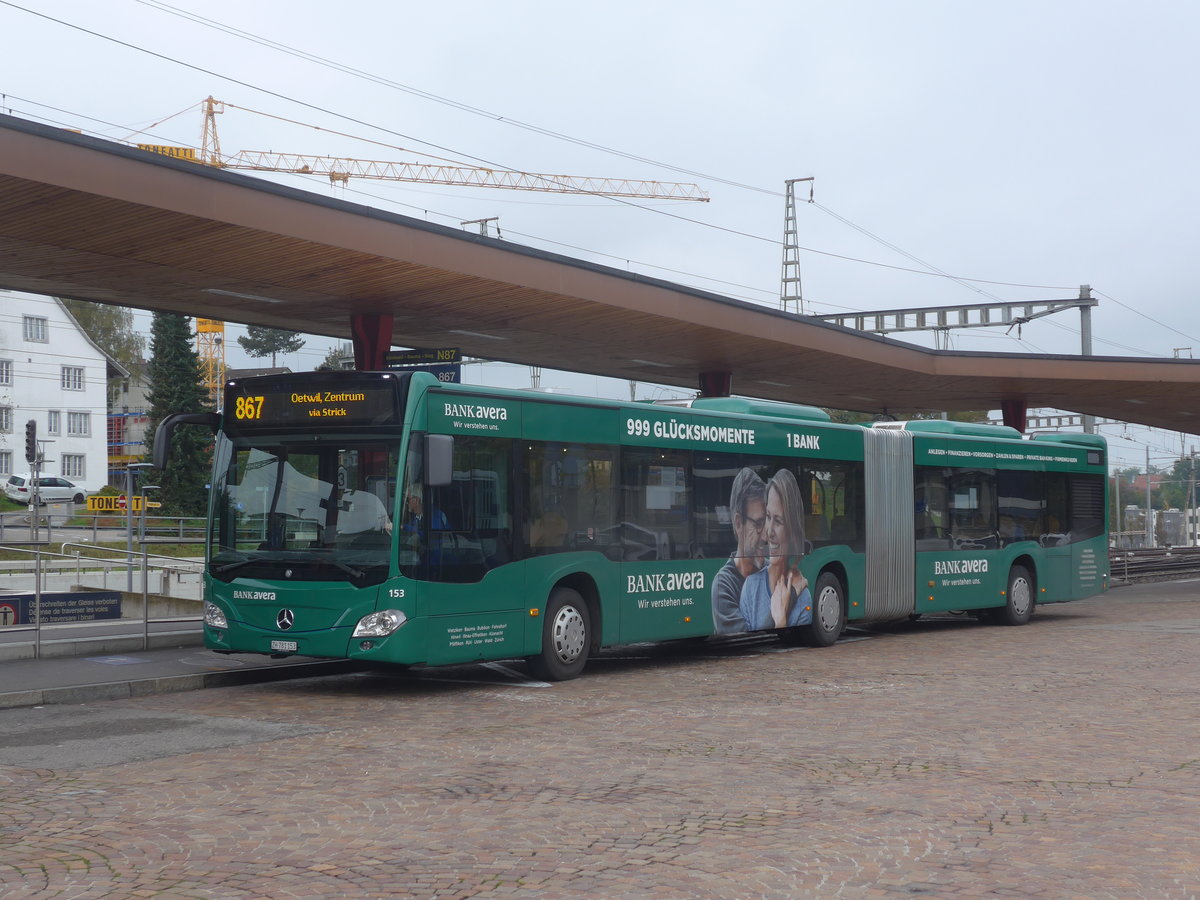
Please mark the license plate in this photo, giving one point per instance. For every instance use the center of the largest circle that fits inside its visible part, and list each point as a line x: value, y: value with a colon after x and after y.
x: 284, y: 645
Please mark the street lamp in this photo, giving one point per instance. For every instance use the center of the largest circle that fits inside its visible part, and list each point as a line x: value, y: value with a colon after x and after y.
x: 145, y: 568
x: 131, y: 473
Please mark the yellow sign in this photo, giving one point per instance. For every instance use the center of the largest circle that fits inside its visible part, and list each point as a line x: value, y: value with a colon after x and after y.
x: 118, y: 504
x: 188, y: 153
x: 248, y: 407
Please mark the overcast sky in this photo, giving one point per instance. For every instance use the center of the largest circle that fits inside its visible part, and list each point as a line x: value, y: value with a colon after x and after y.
x: 1027, y: 148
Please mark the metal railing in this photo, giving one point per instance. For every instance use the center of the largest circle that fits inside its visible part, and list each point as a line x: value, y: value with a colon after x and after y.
x: 48, y: 520
x: 1155, y: 565
x: 44, y: 562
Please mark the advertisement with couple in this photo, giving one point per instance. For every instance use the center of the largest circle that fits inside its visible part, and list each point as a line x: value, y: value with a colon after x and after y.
x: 761, y: 586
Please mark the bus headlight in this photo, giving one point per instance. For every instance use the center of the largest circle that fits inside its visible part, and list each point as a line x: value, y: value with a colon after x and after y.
x: 213, y: 616
x: 380, y: 624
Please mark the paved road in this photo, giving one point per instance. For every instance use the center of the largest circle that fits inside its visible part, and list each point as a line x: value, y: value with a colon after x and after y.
x: 943, y: 759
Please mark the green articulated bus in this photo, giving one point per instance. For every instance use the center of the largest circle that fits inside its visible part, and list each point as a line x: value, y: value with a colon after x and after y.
x: 388, y: 517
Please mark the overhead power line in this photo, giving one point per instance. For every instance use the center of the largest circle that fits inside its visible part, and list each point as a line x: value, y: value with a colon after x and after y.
x: 1147, y: 317
x: 436, y: 98
x: 929, y: 270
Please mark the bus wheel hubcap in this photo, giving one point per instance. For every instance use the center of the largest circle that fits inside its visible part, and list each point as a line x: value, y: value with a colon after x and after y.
x: 829, y: 609
x: 569, y: 634
x: 1019, y: 594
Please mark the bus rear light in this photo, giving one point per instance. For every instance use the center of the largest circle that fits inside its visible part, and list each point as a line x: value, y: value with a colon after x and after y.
x: 380, y: 624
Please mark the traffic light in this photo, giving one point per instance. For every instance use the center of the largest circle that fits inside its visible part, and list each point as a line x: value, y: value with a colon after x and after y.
x: 31, y: 448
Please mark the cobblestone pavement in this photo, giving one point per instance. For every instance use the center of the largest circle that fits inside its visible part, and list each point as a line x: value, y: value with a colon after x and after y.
x: 944, y: 758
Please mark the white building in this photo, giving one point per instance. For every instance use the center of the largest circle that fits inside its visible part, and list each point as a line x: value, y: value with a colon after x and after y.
x: 52, y: 373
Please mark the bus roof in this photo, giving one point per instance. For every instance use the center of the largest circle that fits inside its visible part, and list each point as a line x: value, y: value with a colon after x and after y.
x: 946, y: 426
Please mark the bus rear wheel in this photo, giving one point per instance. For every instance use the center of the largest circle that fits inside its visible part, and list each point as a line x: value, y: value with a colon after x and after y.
x: 1018, y: 606
x: 566, y: 637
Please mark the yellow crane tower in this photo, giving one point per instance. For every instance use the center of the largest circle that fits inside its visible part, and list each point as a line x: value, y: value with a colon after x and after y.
x: 210, y: 333
x: 210, y: 348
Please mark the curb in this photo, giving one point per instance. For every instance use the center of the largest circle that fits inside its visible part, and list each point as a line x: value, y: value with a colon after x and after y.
x: 167, y: 684
x: 65, y: 648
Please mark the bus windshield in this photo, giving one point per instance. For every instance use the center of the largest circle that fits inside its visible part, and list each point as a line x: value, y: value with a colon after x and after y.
x: 313, y: 511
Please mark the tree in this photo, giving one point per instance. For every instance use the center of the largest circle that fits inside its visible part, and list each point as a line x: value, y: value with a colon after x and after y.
x: 111, y: 329
x: 968, y: 415
x: 333, y: 359
x: 1176, y: 487
x: 849, y: 416
x: 260, y: 341
x: 176, y: 387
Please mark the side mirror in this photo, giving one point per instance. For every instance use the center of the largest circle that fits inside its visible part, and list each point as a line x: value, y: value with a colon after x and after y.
x: 439, y: 460
x: 162, y: 434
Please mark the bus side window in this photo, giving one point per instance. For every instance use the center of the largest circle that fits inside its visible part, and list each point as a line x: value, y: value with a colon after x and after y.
x: 570, y: 499
x: 657, y: 504
x: 1022, y: 506
x: 713, y: 477
x: 929, y: 508
x: 1057, y: 510
x: 835, y: 503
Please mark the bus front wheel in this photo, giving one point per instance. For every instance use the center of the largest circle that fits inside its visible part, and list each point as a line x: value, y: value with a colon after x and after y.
x: 566, y: 637
x: 1018, y: 606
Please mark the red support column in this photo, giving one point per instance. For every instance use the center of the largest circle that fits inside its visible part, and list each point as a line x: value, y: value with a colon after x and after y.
x: 372, y: 339
x: 715, y: 384
x: 1014, y: 412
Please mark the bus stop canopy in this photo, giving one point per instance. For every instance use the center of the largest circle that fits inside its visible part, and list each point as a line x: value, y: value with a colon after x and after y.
x: 95, y: 220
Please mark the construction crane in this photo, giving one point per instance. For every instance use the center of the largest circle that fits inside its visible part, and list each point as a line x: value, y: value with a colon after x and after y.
x: 210, y: 333
x: 340, y: 170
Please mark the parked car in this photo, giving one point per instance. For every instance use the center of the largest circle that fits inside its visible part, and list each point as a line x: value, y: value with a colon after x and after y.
x: 50, y: 489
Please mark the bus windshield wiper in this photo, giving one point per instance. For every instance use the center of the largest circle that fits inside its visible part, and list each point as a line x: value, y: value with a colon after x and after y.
x: 349, y: 570
x: 230, y: 567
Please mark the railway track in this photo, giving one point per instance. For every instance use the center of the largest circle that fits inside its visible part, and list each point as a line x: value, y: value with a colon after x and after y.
x: 1155, y: 565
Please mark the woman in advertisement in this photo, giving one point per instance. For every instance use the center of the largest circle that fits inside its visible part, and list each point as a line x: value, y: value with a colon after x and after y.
x: 777, y: 595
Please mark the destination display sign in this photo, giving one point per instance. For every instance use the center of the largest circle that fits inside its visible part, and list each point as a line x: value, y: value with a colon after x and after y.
x: 311, y: 402
x: 438, y: 356
x: 444, y: 374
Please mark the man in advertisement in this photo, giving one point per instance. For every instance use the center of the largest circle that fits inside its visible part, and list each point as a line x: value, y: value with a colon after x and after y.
x: 747, y: 503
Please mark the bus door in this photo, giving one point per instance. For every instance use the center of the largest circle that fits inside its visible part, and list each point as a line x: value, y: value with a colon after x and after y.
x: 666, y: 592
